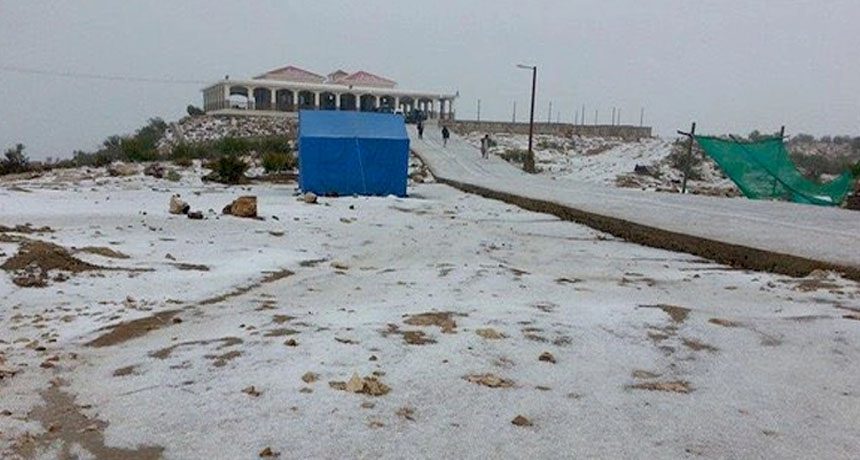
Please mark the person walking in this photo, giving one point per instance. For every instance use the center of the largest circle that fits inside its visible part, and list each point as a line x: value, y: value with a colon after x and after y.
x: 485, y: 146
x: 420, y: 129
x: 445, y: 135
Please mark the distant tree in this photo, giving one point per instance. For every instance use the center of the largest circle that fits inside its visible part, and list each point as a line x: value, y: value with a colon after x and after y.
x: 803, y: 138
x: 15, y: 161
x: 194, y: 111
x: 826, y: 139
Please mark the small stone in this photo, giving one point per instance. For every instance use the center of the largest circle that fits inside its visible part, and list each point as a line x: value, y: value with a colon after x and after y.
x: 195, y: 215
x: 291, y: 343
x: 310, y: 377
x: 177, y: 206
x: 244, y: 206
x: 269, y: 453
x: 310, y: 198
x: 547, y: 357
x: 252, y: 391
x: 519, y: 420
x: 364, y: 405
x: 373, y: 358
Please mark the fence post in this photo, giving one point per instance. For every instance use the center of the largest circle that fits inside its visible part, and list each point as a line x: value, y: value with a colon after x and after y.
x: 689, y: 158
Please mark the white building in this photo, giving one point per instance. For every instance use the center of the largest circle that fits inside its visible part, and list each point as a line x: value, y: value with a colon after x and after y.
x: 289, y: 89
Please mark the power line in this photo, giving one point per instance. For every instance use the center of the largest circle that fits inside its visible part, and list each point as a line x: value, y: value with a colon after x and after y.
x: 92, y: 76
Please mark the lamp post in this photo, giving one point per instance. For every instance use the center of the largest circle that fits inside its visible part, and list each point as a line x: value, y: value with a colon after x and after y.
x: 529, y: 163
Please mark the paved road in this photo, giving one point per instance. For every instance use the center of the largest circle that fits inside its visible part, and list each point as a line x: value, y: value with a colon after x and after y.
x: 827, y: 235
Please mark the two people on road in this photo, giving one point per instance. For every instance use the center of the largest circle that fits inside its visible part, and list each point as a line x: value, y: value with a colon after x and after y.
x: 420, y: 127
x: 485, y: 146
x: 445, y: 135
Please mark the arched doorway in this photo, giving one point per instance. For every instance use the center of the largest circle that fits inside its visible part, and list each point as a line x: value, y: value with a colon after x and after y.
x: 368, y: 103
x: 262, y: 99
x: 347, y: 101
x: 386, y: 103
x: 328, y: 101
x: 407, y: 104
x: 284, y: 100
x: 306, y: 100
x: 239, y: 98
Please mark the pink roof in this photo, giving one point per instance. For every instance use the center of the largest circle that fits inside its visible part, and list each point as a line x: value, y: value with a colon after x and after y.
x: 291, y: 73
x: 362, y: 78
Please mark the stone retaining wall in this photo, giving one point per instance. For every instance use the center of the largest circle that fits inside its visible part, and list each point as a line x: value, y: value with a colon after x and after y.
x: 558, y: 129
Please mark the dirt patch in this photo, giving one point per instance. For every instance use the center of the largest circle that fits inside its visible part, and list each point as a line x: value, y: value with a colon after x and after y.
x: 191, y: 267
x: 489, y: 380
x: 640, y: 374
x: 280, y: 332
x: 66, y: 426
x: 281, y: 319
x: 103, y: 251
x: 443, y: 320
x: 489, y: 334
x: 678, y: 386
x: 222, y: 359
x: 26, y: 229
x: 31, y: 265
x: 226, y: 342
x: 417, y: 338
x: 312, y: 262
x: 269, y: 278
x: 677, y: 314
x: 368, y: 385
x: 124, y: 371
x: 133, y: 329
x: 725, y: 322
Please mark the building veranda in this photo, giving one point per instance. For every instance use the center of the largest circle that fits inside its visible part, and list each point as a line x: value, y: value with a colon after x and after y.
x: 289, y: 89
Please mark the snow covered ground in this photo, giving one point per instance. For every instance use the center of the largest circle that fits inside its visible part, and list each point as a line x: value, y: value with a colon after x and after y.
x: 235, y: 338
x: 610, y: 161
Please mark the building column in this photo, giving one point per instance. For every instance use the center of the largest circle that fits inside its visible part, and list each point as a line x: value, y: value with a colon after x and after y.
x: 316, y: 100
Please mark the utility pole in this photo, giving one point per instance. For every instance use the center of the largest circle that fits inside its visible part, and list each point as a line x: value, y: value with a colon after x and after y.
x: 515, y: 112
x: 529, y: 163
x: 479, y: 110
x: 549, y: 115
x: 613, y: 116
x: 619, y: 116
x: 595, y: 117
x: 641, y: 117
x: 582, y: 118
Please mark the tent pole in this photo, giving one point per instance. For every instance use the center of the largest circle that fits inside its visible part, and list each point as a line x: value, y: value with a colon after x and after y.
x: 688, y: 159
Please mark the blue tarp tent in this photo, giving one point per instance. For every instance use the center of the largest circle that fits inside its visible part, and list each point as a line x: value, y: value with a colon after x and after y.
x: 347, y: 153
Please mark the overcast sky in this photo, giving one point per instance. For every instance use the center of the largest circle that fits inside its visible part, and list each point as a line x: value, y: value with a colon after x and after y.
x: 730, y: 65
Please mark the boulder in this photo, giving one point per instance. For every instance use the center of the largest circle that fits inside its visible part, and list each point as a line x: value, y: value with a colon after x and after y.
x: 155, y: 170
x: 310, y: 198
x: 177, y: 206
x: 118, y: 169
x: 244, y: 206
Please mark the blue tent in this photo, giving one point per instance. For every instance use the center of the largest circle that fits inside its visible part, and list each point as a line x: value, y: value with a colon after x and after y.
x: 347, y: 153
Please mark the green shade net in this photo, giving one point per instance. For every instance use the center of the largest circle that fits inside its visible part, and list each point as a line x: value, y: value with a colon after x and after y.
x: 763, y: 170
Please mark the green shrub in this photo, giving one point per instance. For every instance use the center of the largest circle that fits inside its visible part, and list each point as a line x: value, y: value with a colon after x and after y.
x: 233, y: 146
x: 194, y: 111
x: 15, y: 161
x: 273, y: 144
x: 184, y: 162
x: 276, y: 162
x: 173, y: 176
x: 230, y: 169
x: 515, y: 155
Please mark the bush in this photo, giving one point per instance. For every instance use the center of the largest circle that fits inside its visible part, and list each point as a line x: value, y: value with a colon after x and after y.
x: 515, y: 155
x: 15, y: 161
x: 678, y: 159
x: 194, y: 111
x: 273, y: 144
x: 183, y: 162
x: 276, y: 162
x: 173, y: 176
x: 233, y: 146
x: 230, y: 169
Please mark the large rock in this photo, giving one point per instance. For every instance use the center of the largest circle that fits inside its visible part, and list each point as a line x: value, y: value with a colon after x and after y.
x: 177, y: 206
x: 118, y: 168
x: 155, y: 170
x: 310, y: 198
x: 244, y: 206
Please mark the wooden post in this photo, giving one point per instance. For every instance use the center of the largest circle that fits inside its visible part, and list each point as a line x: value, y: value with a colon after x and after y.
x: 689, y: 158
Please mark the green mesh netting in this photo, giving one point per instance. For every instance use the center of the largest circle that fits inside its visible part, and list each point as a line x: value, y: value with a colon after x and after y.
x: 763, y: 170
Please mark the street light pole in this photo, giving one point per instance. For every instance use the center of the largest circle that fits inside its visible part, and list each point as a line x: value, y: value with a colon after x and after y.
x: 529, y: 163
